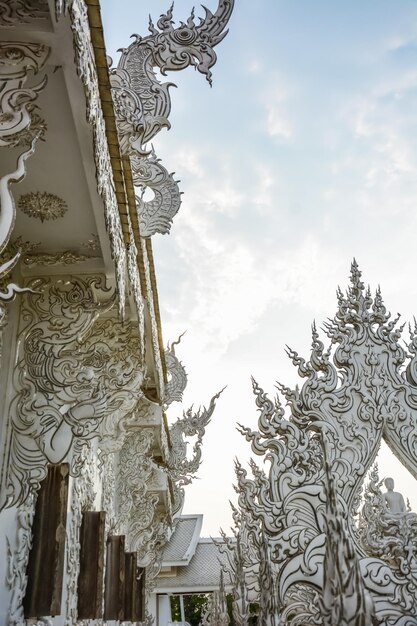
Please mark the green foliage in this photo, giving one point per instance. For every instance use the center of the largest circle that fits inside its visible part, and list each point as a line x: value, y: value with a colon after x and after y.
x: 194, y: 607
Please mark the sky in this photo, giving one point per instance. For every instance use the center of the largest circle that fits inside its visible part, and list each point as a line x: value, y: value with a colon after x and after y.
x: 301, y: 156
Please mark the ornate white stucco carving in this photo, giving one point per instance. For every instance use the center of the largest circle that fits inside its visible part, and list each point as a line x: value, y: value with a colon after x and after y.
x: 25, y: 247
x: 152, y: 314
x: 17, y: 106
x: 68, y: 257
x: 17, y: 560
x: 82, y: 499
x: 238, y: 565
x: 86, y: 67
x: 77, y: 377
x: 215, y: 613
x: 269, y: 614
x: 136, y: 290
x: 181, y: 469
x: 108, y: 489
x: 345, y: 599
x: 177, y: 376
x: 361, y: 389
x: 136, y: 505
x: 382, y: 533
x: 156, y: 215
x: 143, y: 104
x: 42, y: 205
x: 13, y: 12
x: 150, y: 556
x: 7, y: 221
x: 20, y: 125
x: 92, y: 244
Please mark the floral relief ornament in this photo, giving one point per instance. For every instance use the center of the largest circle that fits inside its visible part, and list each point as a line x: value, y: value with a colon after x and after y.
x: 42, y: 205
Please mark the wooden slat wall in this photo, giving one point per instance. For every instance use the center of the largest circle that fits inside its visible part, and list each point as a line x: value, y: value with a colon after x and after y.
x: 114, y: 597
x: 46, y: 560
x: 139, y: 614
x: 130, y: 586
x: 90, y: 579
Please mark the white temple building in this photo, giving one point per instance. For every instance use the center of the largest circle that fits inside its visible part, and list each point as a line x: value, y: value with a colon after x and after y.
x: 92, y: 476
x: 190, y: 565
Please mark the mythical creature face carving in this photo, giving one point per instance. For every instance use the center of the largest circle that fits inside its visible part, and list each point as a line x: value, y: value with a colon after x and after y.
x: 142, y: 104
x: 77, y: 377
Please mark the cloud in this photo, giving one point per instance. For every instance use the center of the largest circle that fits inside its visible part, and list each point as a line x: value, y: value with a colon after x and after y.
x: 254, y: 67
x: 275, y: 101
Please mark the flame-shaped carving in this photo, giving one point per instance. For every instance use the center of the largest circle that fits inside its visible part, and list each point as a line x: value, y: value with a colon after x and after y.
x: 177, y: 382
x: 360, y: 390
x: 180, y: 468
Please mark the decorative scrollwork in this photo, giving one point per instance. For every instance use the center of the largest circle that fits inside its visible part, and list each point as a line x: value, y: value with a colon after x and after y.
x: 87, y: 70
x: 68, y: 257
x: 77, y: 377
x: 137, y: 504
x: 360, y: 390
x: 13, y: 12
x: 82, y: 499
x: 7, y: 221
x: 242, y: 556
x: 345, y: 599
x: 142, y: 104
x: 215, y: 613
x: 156, y: 215
x: 182, y: 469
x: 17, y: 557
x: 16, y: 101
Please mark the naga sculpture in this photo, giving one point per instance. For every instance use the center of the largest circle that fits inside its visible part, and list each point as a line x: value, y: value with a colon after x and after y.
x: 142, y: 104
x: 362, y: 389
x: 181, y: 469
x: 177, y: 381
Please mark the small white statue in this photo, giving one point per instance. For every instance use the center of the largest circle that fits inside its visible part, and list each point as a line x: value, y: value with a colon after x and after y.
x: 393, y: 500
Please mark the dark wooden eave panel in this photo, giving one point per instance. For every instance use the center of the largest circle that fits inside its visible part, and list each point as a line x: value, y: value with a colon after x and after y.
x: 90, y: 579
x: 46, y: 559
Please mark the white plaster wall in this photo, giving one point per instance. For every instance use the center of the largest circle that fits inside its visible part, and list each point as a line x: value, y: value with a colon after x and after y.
x: 164, y: 608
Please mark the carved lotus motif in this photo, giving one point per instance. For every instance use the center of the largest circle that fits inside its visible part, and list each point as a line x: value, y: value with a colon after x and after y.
x: 42, y: 205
